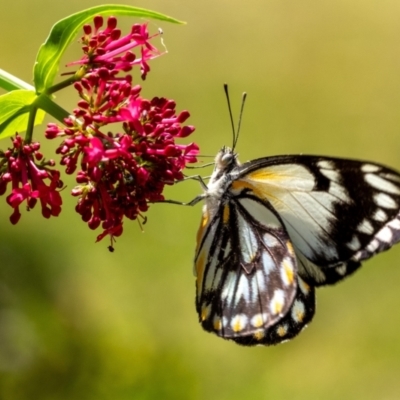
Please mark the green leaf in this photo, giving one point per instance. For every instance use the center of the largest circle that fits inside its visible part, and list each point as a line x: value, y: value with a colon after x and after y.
x: 14, y: 112
x: 10, y: 82
x: 64, y: 32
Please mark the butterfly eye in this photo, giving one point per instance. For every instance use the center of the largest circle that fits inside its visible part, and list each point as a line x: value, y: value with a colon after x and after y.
x: 227, y: 158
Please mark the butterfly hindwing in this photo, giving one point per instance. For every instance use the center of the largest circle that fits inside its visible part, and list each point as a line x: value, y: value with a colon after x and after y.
x: 296, y: 319
x: 246, y: 270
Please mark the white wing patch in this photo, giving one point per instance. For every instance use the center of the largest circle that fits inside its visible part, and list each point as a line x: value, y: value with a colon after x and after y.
x: 382, y: 184
x: 268, y: 263
x: 247, y: 240
x: 380, y: 216
x: 242, y: 290
x: 385, y: 201
x: 354, y: 244
x: 369, y: 167
x: 260, y: 213
x: 228, y: 290
x: 277, y: 302
x: 366, y: 227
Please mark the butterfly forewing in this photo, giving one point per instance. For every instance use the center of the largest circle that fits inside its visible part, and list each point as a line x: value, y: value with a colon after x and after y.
x: 381, y: 241
x: 246, y: 270
x: 331, y: 208
x: 318, y: 276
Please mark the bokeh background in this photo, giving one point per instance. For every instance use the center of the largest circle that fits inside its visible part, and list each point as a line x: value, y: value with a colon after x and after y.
x: 77, y: 322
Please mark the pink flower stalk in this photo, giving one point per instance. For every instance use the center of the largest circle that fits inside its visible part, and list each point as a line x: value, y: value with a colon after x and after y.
x: 123, y: 144
x: 28, y: 179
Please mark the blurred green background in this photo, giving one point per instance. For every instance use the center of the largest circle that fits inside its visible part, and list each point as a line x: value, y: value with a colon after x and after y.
x: 77, y: 322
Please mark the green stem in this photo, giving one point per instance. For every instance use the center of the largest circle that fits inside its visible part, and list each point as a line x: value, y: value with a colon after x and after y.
x: 77, y: 76
x: 31, y: 124
x: 61, y: 85
x: 45, y: 102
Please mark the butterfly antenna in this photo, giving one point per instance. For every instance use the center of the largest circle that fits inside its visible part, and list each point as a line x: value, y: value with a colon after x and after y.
x: 244, y: 96
x: 230, y: 115
x: 235, y: 131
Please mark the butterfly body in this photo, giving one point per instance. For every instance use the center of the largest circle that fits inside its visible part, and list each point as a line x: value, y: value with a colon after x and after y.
x: 275, y: 228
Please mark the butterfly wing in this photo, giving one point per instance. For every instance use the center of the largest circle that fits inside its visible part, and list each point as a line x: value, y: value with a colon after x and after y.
x: 318, y: 276
x: 296, y: 319
x: 246, y: 269
x: 337, y: 212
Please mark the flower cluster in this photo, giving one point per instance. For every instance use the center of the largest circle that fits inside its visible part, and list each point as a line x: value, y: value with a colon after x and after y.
x: 24, y: 167
x: 108, y: 48
x: 122, y: 145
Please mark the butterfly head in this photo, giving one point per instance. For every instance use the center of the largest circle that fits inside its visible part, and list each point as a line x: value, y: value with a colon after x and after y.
x: 226, y: 160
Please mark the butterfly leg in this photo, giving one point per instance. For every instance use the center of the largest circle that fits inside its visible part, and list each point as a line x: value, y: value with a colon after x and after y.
x: 195, y: 178
x: 193, y: 202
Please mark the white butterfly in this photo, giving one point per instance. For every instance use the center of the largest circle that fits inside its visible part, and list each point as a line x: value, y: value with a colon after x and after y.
x: 275, y: 228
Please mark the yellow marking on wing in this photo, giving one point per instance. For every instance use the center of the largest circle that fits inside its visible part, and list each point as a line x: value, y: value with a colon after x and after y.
x: 300, y: 315
x: 290, y: 248
x: 281, y: 331
x: 217, y: 324
x: 260, y: 334
x: 200, y: 266
x: 200, y: 231
x: 284, y: 174
x: 257, y: 321
x: 277, y: 307
x: 225, y: 217
x: 238, y: 325
x: 260, y: 190
x: 288, y: 268
x: 239, y: 184
x: 264, y: 175
x: 205, y: 312
x: 304, y: 286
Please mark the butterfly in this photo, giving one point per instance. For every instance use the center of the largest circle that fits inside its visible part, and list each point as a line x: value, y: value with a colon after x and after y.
x: 276, y: 228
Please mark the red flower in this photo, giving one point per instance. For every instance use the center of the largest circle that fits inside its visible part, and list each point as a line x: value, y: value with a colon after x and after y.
x: 27, y: 178
x: 120, y: 172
